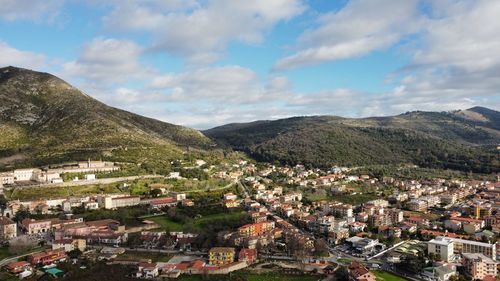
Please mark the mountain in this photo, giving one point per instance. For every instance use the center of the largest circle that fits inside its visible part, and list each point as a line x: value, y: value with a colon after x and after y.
x: 43, y: 120
x: 461, y: 140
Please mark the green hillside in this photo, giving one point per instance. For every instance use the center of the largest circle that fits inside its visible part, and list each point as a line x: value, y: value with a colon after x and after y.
x: 45, y: 120
x: 450, y: 140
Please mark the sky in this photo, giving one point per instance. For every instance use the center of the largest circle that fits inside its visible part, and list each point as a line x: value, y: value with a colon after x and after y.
x: 204, y: 63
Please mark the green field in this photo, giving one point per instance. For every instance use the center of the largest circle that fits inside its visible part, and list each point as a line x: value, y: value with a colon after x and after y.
x: 4, y: 276
x: 386, y: 276
x: 4, y: 253
x: 199, y: 223
x: 155, y: 257
x: 135, y: 187
x: 166, y: 223
x: 54, y: 192
x: 344, y: 261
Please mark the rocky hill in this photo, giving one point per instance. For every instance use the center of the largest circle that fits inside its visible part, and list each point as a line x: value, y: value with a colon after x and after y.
x: 43, y: 119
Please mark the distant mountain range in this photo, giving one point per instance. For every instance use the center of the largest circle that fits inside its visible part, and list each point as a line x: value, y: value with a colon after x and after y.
x: 45, y: 120
x: 463, y: 140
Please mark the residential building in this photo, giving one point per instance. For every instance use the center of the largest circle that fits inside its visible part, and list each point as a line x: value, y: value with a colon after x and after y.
x: 25, y: 174
x: 31, y: 226
x: 255, y: 229
x: 163, y: 202
x: 111, y: 202
x: 18, y: 267
x: 6, y: 178
x: 69, y: 244
x: 179, y: 196
x: 478, y: 266
x: 47, y: 257
x: 221, y: 255
x: 147, y: 270
x: 442, y: 247
x: 8, y: 229
x: 247, y: 255
x: 462, y: 246
x: 358, y: 272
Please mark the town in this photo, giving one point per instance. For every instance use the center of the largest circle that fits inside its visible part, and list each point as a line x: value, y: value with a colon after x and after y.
x: 242, y: 218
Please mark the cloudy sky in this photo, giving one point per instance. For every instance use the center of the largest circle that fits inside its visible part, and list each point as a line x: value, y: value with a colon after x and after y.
x: 203, y: 63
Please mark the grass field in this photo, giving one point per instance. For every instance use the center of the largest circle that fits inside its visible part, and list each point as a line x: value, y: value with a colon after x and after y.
x: 4, y: 252
x: 344, y: 261
x: 135, y: 187
x: 4, y: 276
x: 55, y: 192
x: 155, y: 257
x: 386, y: 276
x: 167, y: 223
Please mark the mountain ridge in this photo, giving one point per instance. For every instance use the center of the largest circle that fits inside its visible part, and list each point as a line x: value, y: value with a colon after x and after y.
x: 50, y: 120
x: 432, y: 139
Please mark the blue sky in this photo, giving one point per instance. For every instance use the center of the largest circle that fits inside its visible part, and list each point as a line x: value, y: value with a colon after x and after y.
x: 203, y: 63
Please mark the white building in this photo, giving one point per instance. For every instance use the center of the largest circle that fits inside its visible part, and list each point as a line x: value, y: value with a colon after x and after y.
x: 25, y: 174
x: 442, y: 247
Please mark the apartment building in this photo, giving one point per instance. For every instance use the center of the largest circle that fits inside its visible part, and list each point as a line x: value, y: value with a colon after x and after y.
x: 111, y: 202
x: 441, y: 247
x: 478, y: 266
x: 255, y: 229
x: 462, y: 246
x: 446, y: 247
x: 221, y: 255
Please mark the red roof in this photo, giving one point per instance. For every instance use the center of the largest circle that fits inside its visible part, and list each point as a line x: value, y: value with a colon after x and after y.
x: 161, y: 201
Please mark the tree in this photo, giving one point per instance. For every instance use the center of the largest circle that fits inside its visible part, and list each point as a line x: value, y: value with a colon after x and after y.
x: 320, y: 248
x: 155, y: 192
x: 21, y: 214
x: 341, y: 274
x: 3, y: 203
x: 74, y: 254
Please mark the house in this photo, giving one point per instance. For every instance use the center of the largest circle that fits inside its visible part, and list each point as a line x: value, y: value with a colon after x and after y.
x: 69, y: 244
x: 8, y: 229
x: 247, y: 255
x: 18, y: 267
x: 221, y: 255
x: 163, y: 202
x: 178, y: 196
x: 336, y: 235
x: 147, y: 270
x: 358, y: 272
x: 31, y: 226
x: 231, y: 203
x: 47, y: 257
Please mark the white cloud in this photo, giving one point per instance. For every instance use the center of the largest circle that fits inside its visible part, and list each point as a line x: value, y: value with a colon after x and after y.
x: 14, y: 57
x: 11, y: 10
x: 228, y: 84
x: 361, y: 27
x: 108, y: 61
x: 200, y: 30
x: 457, y: 63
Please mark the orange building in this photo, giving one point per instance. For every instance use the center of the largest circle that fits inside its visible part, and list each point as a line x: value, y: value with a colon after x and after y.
x: 255, y: 229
